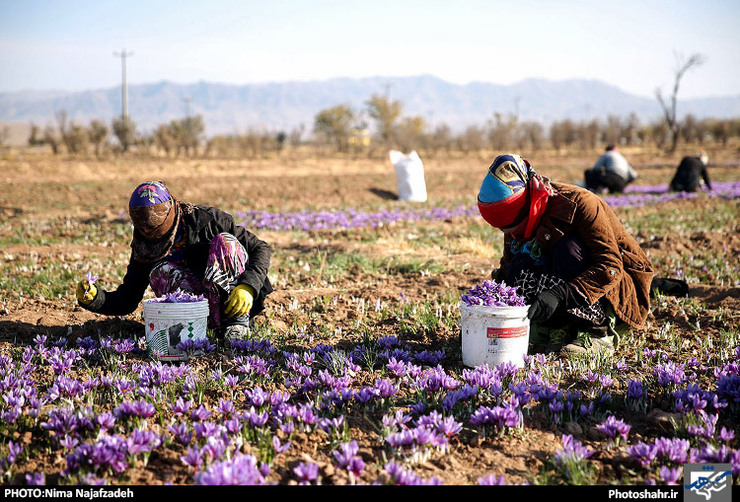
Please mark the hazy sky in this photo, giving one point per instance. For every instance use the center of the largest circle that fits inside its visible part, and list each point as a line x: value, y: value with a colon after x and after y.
x: 632, y: 44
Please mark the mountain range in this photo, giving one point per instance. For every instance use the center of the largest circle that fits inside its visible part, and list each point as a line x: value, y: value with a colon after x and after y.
x: 287, y: 106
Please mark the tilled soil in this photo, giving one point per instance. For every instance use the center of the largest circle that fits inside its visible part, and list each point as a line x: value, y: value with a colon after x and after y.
x: 82, y: 189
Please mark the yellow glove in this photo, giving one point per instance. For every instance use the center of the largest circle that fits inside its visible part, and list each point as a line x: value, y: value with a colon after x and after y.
x: 86, y: 292
x: 239, y: 302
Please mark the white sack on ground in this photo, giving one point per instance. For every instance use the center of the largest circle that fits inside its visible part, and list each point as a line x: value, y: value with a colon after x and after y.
x: 409, y: 176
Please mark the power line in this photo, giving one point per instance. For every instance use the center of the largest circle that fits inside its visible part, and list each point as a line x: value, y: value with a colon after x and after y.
x: 124, y: 87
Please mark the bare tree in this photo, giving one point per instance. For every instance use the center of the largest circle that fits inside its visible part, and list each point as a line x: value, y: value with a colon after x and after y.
x: 98, y: 133
x: 334, y: 125
x: 125, y: 130
x: 386, y: 114
x: 669, y: 107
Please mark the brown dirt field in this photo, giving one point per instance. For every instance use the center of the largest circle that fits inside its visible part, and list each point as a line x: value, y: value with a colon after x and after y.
x: 38, y: 188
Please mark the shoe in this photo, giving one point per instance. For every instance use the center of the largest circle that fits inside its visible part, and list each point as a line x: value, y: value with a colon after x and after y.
x: 238, y: 328
x: 237, y: 332
x: 669, y: 287
x: 586, y: 344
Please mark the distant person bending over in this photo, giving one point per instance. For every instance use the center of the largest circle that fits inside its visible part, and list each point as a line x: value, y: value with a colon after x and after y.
x: 690, y: 173
x: 584, y: 276
x: 611, y: 172
x: 194, y: 248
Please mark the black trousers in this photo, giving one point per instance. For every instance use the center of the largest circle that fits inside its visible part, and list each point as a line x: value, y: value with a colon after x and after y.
x: 568, y: 258
x: 596, y: 180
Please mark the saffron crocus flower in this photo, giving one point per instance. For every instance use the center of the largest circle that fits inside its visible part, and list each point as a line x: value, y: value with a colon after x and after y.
x: 307, y: 472
x: 498, y: 418
x: 242, y: 469
x: 571, y: 461
x: 672, y: 450
x: 401, y: 477
x: 572, y: 450
x: 493, y: 294
x: 346, y: 457
x: 670, y: 374
x: 193, y: 457
x: 492, y: 480
x: 141, y: 409
x: 635, y: 390
x: 614, y: 428
x: 670, y: 475
x: 178, y: 296
x: 181, y: 432
x: 14, y: 449
x: 728, y: 388
x: 36, y: 479
x: 449, y: 426
x: 90, y: 278
x: 643, y: 452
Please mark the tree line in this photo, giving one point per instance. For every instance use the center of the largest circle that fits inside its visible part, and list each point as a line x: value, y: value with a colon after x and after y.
x: 374, y: 130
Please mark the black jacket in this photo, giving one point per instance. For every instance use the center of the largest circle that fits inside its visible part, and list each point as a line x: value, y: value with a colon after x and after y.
x: 202, y: 224
x: 689, y: 174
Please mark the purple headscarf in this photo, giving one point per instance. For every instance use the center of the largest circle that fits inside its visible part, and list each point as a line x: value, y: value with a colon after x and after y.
x: 155, y: 214
x: 149, y: 193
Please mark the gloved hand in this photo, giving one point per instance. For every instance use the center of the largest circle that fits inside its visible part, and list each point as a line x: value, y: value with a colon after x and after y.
x: 239, y: 302
x: 544, y: 305
x: 86, y: 292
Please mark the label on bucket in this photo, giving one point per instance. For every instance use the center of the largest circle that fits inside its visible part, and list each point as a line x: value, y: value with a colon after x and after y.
x: 512, y: 332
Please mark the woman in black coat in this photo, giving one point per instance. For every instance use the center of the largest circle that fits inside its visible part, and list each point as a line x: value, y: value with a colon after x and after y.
x: 690, y: 173
x: 194, y: 248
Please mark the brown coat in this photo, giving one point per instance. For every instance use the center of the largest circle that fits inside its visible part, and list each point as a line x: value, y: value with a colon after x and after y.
x: 620, y: 270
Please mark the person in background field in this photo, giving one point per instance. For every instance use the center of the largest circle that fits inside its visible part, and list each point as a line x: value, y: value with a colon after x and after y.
x: 586, y: 279
x: 194, y: 248
x: 611, y: 172
x: 690, y: 173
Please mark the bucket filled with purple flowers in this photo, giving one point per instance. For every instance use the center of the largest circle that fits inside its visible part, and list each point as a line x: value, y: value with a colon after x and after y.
x: 495, y: 326
x: 173, y: 320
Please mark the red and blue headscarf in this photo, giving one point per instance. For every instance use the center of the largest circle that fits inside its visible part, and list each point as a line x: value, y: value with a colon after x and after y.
x: 512, y: 194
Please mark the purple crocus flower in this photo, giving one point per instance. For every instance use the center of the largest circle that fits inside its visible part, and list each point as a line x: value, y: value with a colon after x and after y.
x: 572, y: 452
x: 193, y: 457
x: 178, y: 296
x: 493, y: 294
x: 141, y: 409
x: 346, y: 457
x: 492, y: 480
x: 385, y: 388
x: 728, y: 387
x: 307, y: 472
x: 614, y: 428
x: 674, y: 450
x: 181, y: 432
x: 242, y: 469
x: 36, y: 479
x: 401, y: 477
x: 643, y: 452
x: 635, y: 390
x: 497, y: 417
x: 670, y: 475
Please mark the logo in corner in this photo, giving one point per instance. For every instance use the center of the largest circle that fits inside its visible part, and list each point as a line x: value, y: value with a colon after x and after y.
x: 705, y: 482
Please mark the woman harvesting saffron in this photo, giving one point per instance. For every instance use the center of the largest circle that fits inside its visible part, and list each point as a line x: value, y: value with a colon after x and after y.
x: 178, y: 246
x: 583, y: 275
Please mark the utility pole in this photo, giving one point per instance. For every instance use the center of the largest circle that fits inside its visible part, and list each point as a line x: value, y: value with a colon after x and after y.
x: 124, y: 87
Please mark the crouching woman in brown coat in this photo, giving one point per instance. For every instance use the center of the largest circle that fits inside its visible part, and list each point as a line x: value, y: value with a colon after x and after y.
x: 584, y: 276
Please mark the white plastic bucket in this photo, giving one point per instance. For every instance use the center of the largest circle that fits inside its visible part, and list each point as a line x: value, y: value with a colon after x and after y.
x: 168, y: 324
x: 494, y: 335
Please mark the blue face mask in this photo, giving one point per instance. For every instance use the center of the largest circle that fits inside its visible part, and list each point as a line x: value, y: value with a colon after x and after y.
x: 506, y: 176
